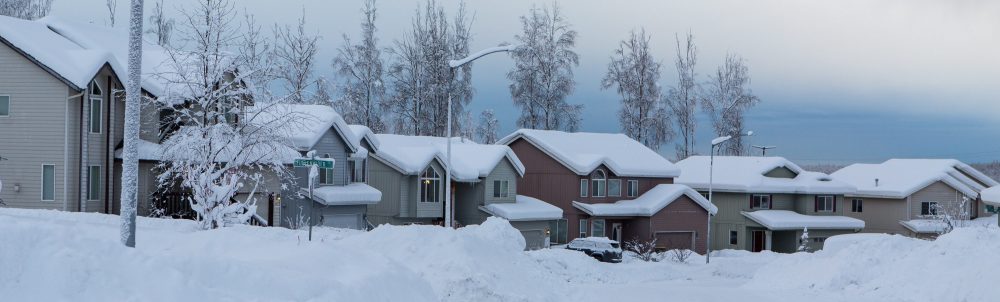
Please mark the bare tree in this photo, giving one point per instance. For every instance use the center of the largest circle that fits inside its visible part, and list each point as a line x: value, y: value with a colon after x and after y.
x: 130, y: 147
x: 25, y: 9
x: 112, y: 5
x: 467, y: 126
x: 682, y: 100
x: 635, y: 73
x: 680, y: 255
x: 727, y: 100
x: 489, y: 127
x: 295, y: 52
x: 643, y: 250
x: 221, y: 143
x: 361, y: 71
x: 160, y: 26
x: 952, y: 214
x: 542, y: 77
x: 421, y: 77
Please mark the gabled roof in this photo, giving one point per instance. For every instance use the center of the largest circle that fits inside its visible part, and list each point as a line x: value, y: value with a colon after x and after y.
x: 778, y: 220
x: 471, y: 161
x: 308, y: 125
x: 583, y: 152
x: 746, y: 174
x: 900, y: 178
x: 362, y: 132
x: 75, y: 52
x: 648, y: 204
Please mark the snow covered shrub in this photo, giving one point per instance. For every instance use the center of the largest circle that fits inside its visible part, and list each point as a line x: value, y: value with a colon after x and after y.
x: 680, y: 255
x: 952, y: 214
x: 300, y: 221
x: 804, y: 241
x: 643, y: 250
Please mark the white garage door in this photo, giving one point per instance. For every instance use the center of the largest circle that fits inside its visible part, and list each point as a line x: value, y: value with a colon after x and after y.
x: 344, y: 221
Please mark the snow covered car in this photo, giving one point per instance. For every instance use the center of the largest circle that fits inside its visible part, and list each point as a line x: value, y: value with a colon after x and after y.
x: 602, y: 249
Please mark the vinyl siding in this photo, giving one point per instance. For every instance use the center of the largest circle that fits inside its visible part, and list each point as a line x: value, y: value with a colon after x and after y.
x: 468, y: 198
x: 503, y: 171
x: 936, y: 192
x: 781, y: 172
x: 34, y: 134
x: 879, y: 215
x: 389, y: 182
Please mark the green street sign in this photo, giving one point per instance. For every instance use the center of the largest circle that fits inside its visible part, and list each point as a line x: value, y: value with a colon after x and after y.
x: 320, y: 163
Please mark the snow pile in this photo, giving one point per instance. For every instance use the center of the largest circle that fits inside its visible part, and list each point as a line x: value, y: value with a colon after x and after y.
x: 789, y: 220
x: 470, y: 160
x: 899, y: 178
x: 351, y: 194
x: 583, y: 152
x: 746, y: 174
x: 524, y: 208
x: 648, y: 204
x: 991, y: 195
x: 958, y: 266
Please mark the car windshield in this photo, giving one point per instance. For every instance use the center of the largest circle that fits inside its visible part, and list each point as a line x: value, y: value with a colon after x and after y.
x: 615, y: 245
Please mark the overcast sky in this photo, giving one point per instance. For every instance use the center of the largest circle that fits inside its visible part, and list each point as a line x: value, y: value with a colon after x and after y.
x: 840, y: 81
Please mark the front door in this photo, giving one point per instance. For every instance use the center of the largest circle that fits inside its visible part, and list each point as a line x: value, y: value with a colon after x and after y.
x: 758, y: 241
x: 616, y: 231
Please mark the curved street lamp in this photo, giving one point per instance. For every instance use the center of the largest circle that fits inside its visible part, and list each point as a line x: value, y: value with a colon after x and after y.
x: 711, y: 170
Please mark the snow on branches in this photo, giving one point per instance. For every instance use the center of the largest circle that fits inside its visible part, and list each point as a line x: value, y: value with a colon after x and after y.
x: 634, y: 72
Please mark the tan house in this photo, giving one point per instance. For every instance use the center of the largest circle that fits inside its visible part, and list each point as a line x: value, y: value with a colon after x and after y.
x: 766, y: 203
x: 902, y: 196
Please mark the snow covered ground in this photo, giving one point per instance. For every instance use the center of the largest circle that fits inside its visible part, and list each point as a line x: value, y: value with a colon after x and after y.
x: 56, y: 256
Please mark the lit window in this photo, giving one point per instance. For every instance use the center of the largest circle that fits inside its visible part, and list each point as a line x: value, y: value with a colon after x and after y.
x: 430, y: 186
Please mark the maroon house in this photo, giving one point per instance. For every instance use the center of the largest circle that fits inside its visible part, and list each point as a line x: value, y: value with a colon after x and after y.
x: 609, y: 185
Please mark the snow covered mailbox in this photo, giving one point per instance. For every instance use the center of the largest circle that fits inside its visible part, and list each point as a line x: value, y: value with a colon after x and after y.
x: 409, y: 170
x: 904, y: 196
x: 765, y: 203
x: 609, y: 185
x: 341, y: 196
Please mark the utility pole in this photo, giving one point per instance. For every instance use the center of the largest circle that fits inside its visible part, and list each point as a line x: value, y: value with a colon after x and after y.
x: 763, y: 149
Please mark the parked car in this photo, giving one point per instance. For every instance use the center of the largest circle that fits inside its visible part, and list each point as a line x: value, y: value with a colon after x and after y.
x: 602, y: 249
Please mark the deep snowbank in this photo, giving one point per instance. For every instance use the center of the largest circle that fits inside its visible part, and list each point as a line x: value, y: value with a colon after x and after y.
x: 959, y: 266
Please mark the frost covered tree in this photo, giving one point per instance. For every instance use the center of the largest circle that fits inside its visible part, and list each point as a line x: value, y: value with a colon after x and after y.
x: 322, y: 95
x: 467, y: 126
x: 488, y: 130
x: 295, y: 52
x: 361, y: 70
x: 160, y: 27
x: 25, y: 9
x: 130, y: 147
x: 727, y: 100
x: 421, y: 77
x: 634, y: 73
x: 112, y: 5
x: 228, y: 129
x: 952, y: 214
x: 804, y: 241
x: 682, y: 100
x: 542, y: 77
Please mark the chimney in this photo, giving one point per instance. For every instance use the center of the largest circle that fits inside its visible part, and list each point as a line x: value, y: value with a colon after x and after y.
x: 876, y: 182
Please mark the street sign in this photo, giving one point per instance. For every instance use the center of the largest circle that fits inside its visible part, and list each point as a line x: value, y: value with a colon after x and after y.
x: 323, y: 163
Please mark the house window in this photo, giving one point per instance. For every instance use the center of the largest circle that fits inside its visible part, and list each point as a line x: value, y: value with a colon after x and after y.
x: 501, y: 188
x: 928, y: 208
x: 704, y: 194
x: 48, y: 182
x: 4, y: 105
x: 597, y: 228
x: 583, y: 228
x: 600, y: 181
x: 991, y: 209
x: 356, y: 170
x: 824, y: 203
x: 94, y: 181
x: 856, y: 205
x: 758, y: 201
x: 558, y: 231
x: 734, y: 237
x: 326, y: 175
x: 615, y: 187
x: 633, y: 188
x: 95, y: 114
x: 818, y: 239
x: 430, y: 186
x: 584, y: 187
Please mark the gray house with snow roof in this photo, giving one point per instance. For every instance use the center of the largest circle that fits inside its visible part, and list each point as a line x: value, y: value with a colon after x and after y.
x: 410, y: 172
x: 765, y: 203
x: 902, y: 196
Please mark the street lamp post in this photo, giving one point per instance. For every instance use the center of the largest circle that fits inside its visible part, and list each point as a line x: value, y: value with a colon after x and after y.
x: 447, y: 172
x: 711, y: 173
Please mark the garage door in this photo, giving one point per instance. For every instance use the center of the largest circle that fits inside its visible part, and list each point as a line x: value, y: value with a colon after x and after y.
x: 534, y: 239
x: 344, y: 221
x: 675, y: 240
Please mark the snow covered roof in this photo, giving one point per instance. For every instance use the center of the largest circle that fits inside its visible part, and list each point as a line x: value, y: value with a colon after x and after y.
x: 648, y: 204
x: 363, y: 132
x: 899, y: 178
x: 787, y: 220
x: 524, y: 208
x: 75, y: 52
x: 470, y: 160
x: 747, y: 174
x: 307, y: 125
x: 147, y: 151
x: 583, y: 152
x: 352, y: 194
x: 991, y: 195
